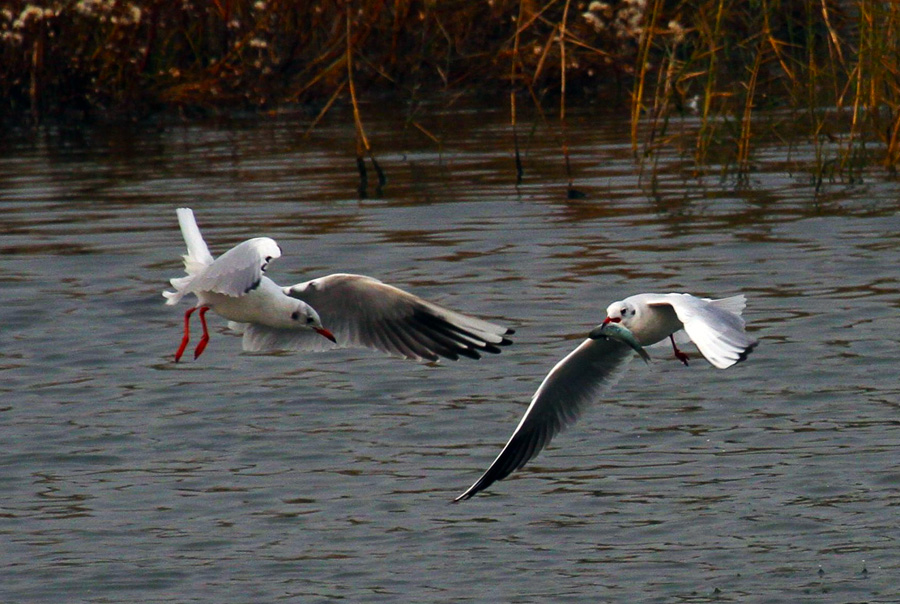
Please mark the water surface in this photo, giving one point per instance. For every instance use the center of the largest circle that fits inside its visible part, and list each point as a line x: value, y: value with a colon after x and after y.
x: 321, y: 477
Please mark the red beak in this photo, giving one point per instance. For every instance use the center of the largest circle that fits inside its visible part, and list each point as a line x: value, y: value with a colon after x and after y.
x: 327, y: 334
x: 608, y: 320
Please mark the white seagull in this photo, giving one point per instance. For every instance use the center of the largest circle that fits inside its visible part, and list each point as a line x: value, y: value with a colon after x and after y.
x: 358, y: 310
x: 715, y: 327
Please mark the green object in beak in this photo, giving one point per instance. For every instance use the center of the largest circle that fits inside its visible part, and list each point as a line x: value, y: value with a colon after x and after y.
x: 615, y: 331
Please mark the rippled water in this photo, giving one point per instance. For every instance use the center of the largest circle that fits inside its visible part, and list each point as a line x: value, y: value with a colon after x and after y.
x: 320, y: 477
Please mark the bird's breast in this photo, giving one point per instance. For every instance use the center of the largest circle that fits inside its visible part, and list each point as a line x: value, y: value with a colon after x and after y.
x: 242, y: 309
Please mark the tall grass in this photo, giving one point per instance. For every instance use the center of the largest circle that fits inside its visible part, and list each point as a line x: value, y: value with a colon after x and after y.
x: 831, y: 66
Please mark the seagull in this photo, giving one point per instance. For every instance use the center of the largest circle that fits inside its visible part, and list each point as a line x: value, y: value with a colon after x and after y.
x: 359, y: 311
x: 715, y: 327
x: 235, y: 287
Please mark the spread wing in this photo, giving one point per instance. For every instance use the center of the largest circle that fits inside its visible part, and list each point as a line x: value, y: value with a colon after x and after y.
x: 573, y: 384
x: 362, y: 311
x: 234, y: 273
x: 714, y: 326
x: 238, y: 270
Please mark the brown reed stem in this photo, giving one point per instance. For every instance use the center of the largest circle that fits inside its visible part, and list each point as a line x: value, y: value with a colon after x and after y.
x: 643, y: 61
x: 326, y: 107
x: 743, y: 155
x: 571, y: 193
x: 35, y: 89
x: 512, y: 94
x: 703, y: 138
x: 858, y: 74
x: 362, y: 142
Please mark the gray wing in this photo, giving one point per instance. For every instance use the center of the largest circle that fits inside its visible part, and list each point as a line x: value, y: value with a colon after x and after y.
x: 576, y: 382
x: 362, y: 311
x: 238, y: 270
x: 713, y: 326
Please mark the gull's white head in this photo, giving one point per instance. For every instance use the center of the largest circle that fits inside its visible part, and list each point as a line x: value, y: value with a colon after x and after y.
x: 304, y: 316
x: 620, y: 312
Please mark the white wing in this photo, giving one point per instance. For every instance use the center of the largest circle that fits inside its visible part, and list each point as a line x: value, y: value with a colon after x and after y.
x: 195, y: 261
x: 198, y: 253
x: 262, y: 338
x: 574, y: 383
x: 238, y: 270
x: 713, y: 326
x: 734, y: 304
x: 234, y: 273
x: 362, y: 311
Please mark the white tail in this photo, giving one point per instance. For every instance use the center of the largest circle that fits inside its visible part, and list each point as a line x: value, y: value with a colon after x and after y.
x: 197, y: 258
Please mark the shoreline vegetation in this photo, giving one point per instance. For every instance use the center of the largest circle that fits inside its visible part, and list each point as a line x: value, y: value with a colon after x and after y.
x: 829, y: 68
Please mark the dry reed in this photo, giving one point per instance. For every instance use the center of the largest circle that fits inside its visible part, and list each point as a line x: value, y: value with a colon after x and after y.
x: 824, y: 62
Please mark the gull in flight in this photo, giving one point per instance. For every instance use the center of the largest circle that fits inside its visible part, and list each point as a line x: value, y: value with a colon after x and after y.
x: 358, y: 310
x: 714, y: 326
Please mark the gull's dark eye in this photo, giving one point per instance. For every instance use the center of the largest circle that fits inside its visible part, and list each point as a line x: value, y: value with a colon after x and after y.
x: 624, y: 311
x: 310, y: 320
x: 295, y: 315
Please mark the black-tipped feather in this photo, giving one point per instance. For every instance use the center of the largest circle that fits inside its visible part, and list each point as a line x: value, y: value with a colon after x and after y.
x: 433, y: 327
x: 362, y: 311
x: 252, y: 286
x: 465, y: 340
x: 437, y: 347
x: 746, y: 352
x: 573, y: 384
x: 412, y: 348
x: 451, y: 347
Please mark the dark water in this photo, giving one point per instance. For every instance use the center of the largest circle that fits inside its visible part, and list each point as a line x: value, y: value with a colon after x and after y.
x: 323, y: 477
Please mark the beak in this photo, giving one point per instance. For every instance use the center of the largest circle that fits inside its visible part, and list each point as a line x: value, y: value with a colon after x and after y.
x: 598, y: 331
x: 326, y: 334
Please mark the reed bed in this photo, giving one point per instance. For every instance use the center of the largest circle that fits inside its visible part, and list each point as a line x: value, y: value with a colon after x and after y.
x: 829, y: 68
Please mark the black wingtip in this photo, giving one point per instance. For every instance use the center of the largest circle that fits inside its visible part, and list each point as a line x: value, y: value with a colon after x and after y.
x: 746, y: 352
x: 253, y: 286
x: 492, y: 347
x: 453, y: 338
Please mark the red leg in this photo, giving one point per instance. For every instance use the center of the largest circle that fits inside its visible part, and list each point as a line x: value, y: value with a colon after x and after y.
x: 187, y: 333
x: 201, y: 346
x: 678, y: 354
